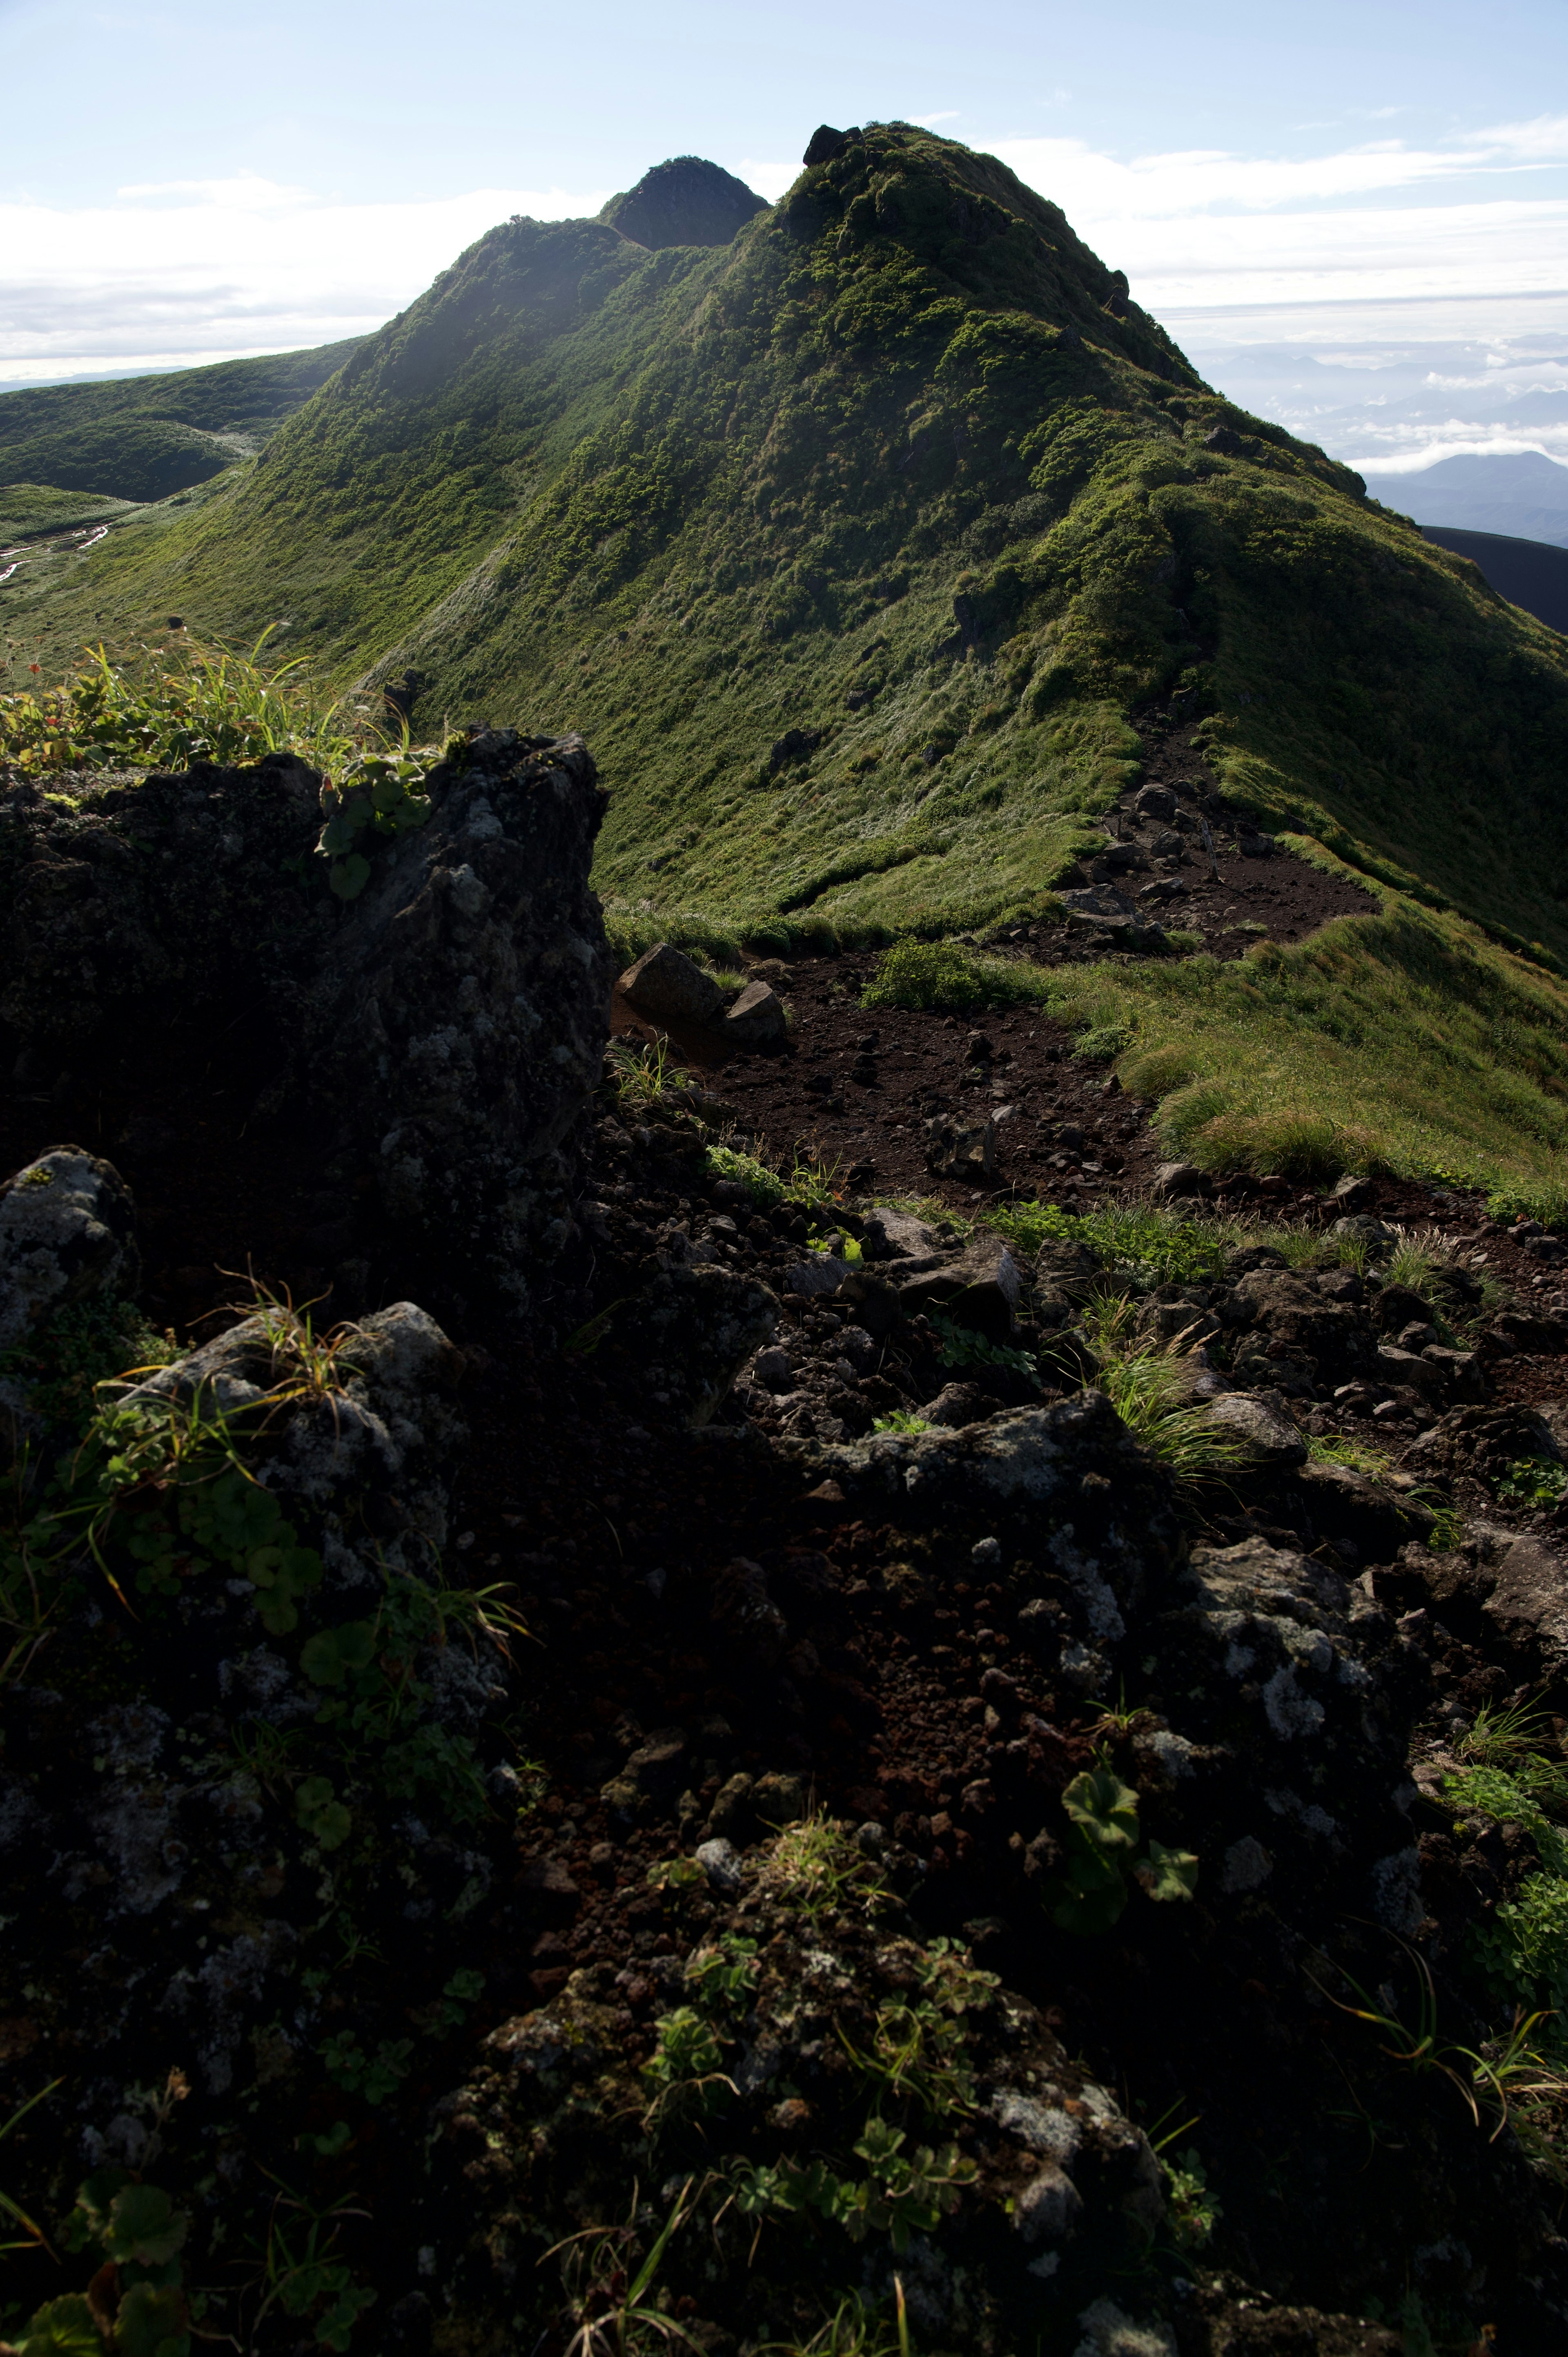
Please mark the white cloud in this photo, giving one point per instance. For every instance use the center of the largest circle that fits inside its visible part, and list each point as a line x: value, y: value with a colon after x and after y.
x: 177, y: 272
x: 769, y: 179
x: 949, y: 115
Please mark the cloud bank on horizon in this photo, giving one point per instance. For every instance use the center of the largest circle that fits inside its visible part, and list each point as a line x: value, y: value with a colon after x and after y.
x: 1396, y: 302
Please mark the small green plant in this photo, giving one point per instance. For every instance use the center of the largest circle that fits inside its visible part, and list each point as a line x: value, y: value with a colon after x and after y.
x: 1534, y: 1483
x: 302, y: 2272
x: 901, y: 1420
x: 763, y: 1185
x: 849, y: 1249
x: 1494, y: 2076
x: 816, y: 1865
x: 721, y: 1977
x: 1092, y: 1889
x: 1192, y: 2209
x: 684, y: 2074
x: 1502, y: 1733
x: 1148, y: 1385
x: 898, y: 2193
x: 143, y: 711
x: 34, y: 2236
x: 616, y: 2311
x: 916, y: 2057
x: 321, y: 1814
x: 961, y: 1346
x: 373, y: 796
x: 62, y: 1361
x: 852, y: 2330
x: 645, y: 1075
x: 377, y: 2076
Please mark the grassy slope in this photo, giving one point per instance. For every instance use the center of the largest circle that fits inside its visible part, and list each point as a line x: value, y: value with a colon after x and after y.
x: 905, y: 436
x: 143, y: 438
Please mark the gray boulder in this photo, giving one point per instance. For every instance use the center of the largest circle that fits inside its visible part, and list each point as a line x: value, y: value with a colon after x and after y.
x: 980, y: 1287
x: 67, y: 1232
x: 757, y: 1019
x: 668, y: 986
x: 1173, y: 1178
x: 1259, y: 1422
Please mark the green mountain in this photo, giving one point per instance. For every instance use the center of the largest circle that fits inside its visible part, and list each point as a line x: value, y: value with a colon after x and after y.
x: 144, y: 437
x: 684, y: 202
x: 898, y: 480
x: 870, y: 550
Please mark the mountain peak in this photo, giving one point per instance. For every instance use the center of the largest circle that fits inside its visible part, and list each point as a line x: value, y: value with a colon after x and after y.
x: 684, y: 201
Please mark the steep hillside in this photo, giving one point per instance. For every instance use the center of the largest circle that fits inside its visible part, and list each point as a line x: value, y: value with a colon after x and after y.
x: 143, y: 438
x: 684, y: 202
x: 863, y: 549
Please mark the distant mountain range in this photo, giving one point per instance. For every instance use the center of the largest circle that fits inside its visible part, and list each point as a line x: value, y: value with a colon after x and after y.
x: 1521, y: 494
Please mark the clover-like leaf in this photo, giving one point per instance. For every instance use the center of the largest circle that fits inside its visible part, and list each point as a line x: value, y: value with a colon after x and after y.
x: 1167, y: 1873
x: 153, y: 2322
x: 1105, y: 1807
x: 328, y: 1658
x: 145, y: 2225
x: 349, y: 876
x: 323, y: 1816
x: 62, y: 2328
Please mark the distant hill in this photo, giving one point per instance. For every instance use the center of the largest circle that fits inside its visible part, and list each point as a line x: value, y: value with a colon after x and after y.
x: 684, y: 202
x: 1521, y: 494
x: 867, y: 549
x: 143, y: 438
x: 1528, y: 573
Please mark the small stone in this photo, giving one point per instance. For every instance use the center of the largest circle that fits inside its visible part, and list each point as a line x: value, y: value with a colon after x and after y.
x: 778, y: 1800
x: 985, y: 1551
x: 1173, y: 1178
x: 774, y: 1371
x: 720, y: 1861
x: 1260, y: 1421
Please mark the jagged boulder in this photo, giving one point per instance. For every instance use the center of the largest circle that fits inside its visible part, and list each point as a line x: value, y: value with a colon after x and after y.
x: 261, y: 1639
x: 453, y: 1028
x: 67, y: 1230
x: 443, y: 1029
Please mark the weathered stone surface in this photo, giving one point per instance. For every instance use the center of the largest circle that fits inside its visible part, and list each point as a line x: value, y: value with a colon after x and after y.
x: 1294, y: 1695
x: 170, y: 890
x: 980, y: 1287
x: 1499, y: 1587
x: 757, y: 1019
x: 67, y: 1232
x: 1173, y: 1178
x: 696, y: 1326
x: 956, y: 1150
x: 454, y: 1026
x: 1259, y: 1422
x: 165, y: 1821
x: 1082, y: 1491
x: 670, y: 987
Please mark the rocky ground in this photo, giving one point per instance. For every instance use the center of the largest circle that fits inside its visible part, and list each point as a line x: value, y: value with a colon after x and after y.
x: 732, y: 1799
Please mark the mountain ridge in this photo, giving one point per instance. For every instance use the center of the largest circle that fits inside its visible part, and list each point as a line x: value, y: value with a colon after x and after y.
x: 857, y: 546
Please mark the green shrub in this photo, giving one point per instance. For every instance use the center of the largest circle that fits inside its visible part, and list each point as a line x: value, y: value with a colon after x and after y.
x: 947, y: 978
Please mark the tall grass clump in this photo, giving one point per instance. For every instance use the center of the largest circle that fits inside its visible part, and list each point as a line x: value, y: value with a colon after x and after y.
x: 167, y: 707
x: 944, y: 977
x: 1149, y: 1385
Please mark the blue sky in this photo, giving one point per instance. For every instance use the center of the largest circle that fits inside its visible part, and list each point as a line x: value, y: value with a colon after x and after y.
x: 1361, y: 211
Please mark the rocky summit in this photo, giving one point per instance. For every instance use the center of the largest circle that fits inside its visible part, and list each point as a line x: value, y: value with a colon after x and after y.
x: 785, y: 1550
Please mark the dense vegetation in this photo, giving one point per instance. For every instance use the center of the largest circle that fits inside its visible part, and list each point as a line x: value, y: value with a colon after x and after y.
x: 144, y: 437
x: 862, y: 549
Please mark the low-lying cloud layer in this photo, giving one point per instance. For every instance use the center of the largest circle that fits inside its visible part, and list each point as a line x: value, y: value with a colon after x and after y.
x: 1389, y: 301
